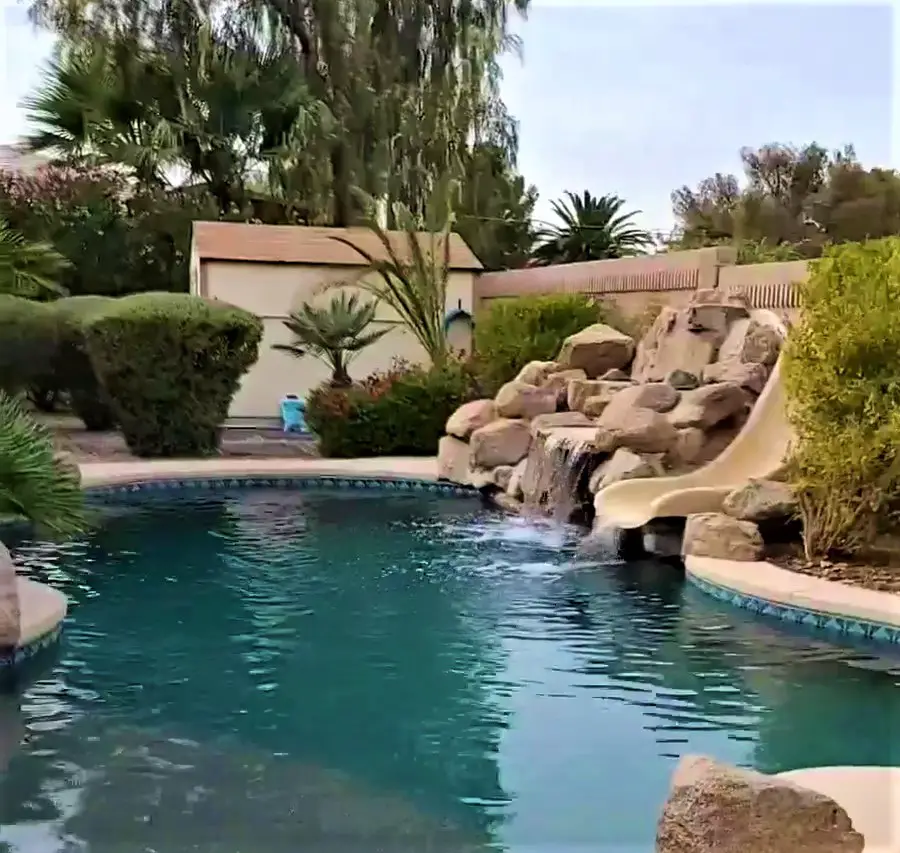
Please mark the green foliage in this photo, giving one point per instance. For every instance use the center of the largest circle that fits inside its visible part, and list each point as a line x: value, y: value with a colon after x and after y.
x: 512, y: 332
x: 28, y: 342
x: 170, y: 365
x: 401, y: 412
x: 28, y: 268
x: 73, y: 371
x: 843, y: 389
x: 590, y: 229
x: 334, y: 335
x: 34, y: 485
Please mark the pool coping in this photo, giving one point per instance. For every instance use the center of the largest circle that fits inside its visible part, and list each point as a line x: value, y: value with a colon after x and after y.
x: 816, y: 603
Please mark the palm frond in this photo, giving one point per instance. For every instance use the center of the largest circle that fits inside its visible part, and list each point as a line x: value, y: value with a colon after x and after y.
x: 28, y: 268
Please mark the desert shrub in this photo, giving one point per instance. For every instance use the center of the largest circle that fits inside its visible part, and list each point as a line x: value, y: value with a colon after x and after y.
x: 170, y: 364
x: 843, y: 385
x: 73, y: 371
x: 28, y: 342
x: 512, y: 332
x: 399, y: 412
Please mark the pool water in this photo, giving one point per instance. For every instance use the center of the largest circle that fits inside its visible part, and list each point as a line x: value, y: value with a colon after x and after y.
x: 263, y: 671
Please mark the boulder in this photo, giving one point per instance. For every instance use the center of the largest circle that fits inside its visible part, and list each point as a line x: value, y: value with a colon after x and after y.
x: 580, y: 390
x: 656, y: 396
x: 10, y: 614
x: 713, y: 808
x: 709, y: 405
x: 688, y: 448
x: 671, y: 344
x: 501, y: 442
x: 713, y: 534
x: 750, y: 376
x: 640, y: 430
x: 520, y: 400
x: 616, y: 375
x: 681, y: 380
x: 559, y: 382
x: 514, y: 487
x: 542, y: 423
x: 480, y: 478
x: 596, y: 349
x: 535, y: 372
x: 715, y: 311
x: 501, y: 475
x: 453, y: 460
x: 625, y: 465
x: 761, y: 500
x: 469, y: 417
x: 749, y: 341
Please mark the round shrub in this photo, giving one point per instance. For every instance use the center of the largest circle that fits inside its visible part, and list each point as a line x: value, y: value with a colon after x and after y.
x: 170, y: 364
x: 401, y: 412
x: 73, y: 370
x: 511, y: 332
x: 28, y: 341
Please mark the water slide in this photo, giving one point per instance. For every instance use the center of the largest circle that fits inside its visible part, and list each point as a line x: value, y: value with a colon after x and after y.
x: 757, y: 452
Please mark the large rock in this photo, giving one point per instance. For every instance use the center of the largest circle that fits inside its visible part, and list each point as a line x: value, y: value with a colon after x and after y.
x: 687, y: 449
x: 713, y: 534
x: 559, y: 383
x: 625, y: 465
x: 749, y: 341
x: 713, y: 808
x: 672, y: 343
x: 501, y: 442
x: 469, y: 417
x: 596, y: 349
x: 582, y: 390
x: 715, y: 311
x: 542, y: 423
x: 10, y: 614
x: 520, y: 400
x: 656, y: 396
x: 750, y: 376
x: 514, y: 487
x: 709, y: 405
x: 535, y: 372
x: 761, y: 500
x: 640, y: 430
x: 453, y: 460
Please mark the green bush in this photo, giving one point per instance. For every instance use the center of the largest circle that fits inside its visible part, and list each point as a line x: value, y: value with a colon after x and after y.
x: 842, y: 379
x: 28, y: 342
x: 73, y: 371
x: 401, y: 412
x: 170, y: 364
x: 512, y: 332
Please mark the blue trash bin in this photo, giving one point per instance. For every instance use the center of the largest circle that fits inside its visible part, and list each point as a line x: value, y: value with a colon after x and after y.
x: 293, y: 413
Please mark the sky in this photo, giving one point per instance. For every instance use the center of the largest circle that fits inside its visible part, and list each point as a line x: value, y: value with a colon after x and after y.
x: 639, y: 100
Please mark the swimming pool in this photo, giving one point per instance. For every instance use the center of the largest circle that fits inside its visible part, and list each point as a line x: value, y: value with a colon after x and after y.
x: 271, y: 670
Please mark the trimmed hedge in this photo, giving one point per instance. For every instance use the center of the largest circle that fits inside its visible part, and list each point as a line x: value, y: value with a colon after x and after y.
x: 28, y: 342
x: 73, y: 370
x: 401, y: 412
x: 170, y: 364
x: 512, y: 332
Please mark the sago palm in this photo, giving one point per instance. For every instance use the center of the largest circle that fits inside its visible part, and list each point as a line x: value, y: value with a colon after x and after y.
x: 590, y: 229
x: 34, y: 486
x: 335, y: 334
x: 27, y: 268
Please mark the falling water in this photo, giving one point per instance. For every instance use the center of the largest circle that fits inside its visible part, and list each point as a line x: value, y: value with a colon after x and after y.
x: 556, y: 468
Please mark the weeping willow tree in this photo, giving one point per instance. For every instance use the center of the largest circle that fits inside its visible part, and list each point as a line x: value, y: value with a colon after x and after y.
x: 312, y: 99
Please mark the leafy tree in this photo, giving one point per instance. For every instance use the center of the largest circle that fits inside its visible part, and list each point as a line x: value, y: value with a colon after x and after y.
x: 335, y: 335
x: 805, y: 198
x: 590, y: 229
x: 27, y: 268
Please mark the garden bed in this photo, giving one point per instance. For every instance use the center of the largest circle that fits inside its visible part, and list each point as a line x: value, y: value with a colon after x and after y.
x: 882, y: 575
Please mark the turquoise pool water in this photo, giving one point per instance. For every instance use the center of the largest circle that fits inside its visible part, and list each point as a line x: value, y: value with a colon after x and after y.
x: 269, y: 671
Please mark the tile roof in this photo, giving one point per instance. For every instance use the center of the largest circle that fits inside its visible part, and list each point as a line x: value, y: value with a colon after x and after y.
x: 299, y: 244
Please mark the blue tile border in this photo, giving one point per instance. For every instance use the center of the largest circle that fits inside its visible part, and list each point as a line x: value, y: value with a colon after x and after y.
x: 815, y: 620
x: 22, y: 654
x: 289, y: 481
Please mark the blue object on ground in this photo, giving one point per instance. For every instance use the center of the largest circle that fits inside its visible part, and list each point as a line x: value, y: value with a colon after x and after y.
x: 293, y: 414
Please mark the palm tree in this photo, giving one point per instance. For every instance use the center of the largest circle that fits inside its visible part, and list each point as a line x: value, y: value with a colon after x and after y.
x: 334, y: 335
x: 590, y: 229
x: 26, y: 268
x: 35, y: 485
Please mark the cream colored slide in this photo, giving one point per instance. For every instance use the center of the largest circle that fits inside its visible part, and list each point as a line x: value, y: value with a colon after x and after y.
x: 757, y: 452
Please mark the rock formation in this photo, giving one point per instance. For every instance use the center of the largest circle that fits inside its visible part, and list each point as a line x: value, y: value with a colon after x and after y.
x: 609, y: 408
x: 9, y: 601
x: 713, y: 808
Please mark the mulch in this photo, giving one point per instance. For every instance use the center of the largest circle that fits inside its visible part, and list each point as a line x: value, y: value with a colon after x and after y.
x: 875, y: 576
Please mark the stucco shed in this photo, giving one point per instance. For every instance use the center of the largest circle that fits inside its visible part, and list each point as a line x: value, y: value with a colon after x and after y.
x: 272, y: 269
